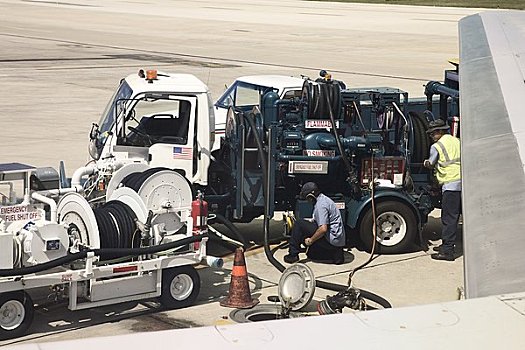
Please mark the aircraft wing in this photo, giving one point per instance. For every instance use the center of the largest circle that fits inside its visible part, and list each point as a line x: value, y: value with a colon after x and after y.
x: 492, y: 89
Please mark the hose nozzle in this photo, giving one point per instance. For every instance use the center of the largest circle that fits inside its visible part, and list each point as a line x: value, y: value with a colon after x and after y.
x: 348, y: 298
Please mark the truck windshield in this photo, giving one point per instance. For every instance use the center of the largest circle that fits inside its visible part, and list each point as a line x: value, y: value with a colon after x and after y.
x: 165, y: 118
x: 124, y: 92
x: 241, y: 94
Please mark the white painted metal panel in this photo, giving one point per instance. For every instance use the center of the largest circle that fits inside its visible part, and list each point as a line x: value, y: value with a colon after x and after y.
x: 125, y: 286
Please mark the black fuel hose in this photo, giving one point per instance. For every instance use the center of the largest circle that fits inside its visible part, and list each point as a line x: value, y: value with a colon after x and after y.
x: 233, y: 229
x: 121, y: 252
x: 266, y: 227
x: 321, y: 284
x: 266, y: 185
x: 266, y: 221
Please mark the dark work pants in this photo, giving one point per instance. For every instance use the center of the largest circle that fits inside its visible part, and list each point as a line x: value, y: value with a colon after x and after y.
x: 450, y: 210
x: 320, y: 250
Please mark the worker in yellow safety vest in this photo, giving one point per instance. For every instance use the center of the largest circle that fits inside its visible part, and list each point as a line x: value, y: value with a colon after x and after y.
x: 445, y: 159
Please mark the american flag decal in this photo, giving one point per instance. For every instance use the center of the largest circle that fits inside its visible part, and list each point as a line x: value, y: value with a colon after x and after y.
x: 182, y: 153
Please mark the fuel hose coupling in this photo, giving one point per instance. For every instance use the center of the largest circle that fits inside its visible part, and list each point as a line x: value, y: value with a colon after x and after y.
x: 350, y: 297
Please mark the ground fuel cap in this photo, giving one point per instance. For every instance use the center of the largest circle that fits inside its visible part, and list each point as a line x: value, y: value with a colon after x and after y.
x: 296, y: 286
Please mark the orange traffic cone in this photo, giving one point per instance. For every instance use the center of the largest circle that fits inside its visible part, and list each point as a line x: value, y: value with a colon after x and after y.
x: 239, y: 295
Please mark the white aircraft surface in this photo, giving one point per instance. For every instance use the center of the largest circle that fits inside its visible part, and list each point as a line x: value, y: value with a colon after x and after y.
x: 492, y: 93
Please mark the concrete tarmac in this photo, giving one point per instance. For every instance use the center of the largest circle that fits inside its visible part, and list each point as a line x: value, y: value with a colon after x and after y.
x: 61, y: 61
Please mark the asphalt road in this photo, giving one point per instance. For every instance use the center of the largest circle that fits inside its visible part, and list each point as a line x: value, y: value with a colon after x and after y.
x: 60, y: 62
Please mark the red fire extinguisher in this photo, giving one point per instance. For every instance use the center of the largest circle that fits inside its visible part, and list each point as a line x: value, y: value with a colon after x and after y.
x: 199, y: 213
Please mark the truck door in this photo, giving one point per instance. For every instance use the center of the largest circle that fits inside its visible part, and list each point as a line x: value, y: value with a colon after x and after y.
x: 175, y: 148
x: 165, y: 126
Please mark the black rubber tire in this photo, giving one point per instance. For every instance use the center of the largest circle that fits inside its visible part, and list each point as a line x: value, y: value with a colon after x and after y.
x: 365, y: 228
x: 167, y: 299
x: 29, y: 311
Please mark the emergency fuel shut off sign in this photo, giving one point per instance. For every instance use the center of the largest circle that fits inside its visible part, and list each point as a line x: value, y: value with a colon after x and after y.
x: 19, y: 212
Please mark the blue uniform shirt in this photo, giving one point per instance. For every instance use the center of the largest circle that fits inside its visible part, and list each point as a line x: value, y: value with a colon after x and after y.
x: 326, y: 213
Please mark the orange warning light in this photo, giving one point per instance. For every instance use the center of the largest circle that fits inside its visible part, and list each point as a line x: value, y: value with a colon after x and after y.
x: 151, y: 74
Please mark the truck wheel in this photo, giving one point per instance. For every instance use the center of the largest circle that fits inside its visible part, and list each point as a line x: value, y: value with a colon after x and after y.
x: 16, y: 314
x: 180, y: 287
x: 396, y: 228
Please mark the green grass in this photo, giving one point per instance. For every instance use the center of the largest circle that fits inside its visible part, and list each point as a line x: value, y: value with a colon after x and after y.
x: 489, y: 4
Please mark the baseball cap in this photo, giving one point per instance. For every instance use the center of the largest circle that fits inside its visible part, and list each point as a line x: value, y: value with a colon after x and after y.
x: 309, y: 187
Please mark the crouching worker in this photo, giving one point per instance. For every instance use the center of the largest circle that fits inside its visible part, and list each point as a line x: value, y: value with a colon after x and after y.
x: 324, y: 236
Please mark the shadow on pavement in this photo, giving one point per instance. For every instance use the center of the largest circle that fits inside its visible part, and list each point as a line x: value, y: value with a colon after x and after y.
x: 215, y: 284
x: 56, y: 318
x: 430, y: 237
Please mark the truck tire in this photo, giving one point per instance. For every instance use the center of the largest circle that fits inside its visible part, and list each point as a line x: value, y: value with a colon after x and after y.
x: 16, y: 314
x: 180, y: 287
x: 396, y: 228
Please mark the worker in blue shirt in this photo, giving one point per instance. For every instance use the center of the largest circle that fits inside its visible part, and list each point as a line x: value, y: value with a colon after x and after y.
x: 323, y: 235
x: 445, y: 158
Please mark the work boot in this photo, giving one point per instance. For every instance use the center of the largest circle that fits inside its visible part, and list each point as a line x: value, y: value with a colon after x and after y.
x: 338, y: 261
x: 339, y: 257
x: 439, y: 248
x: 443, y: 256
x: 290, y: 259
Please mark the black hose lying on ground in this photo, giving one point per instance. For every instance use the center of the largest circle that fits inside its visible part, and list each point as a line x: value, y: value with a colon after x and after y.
x: 321, y: 284
x: 111, y: 252
x: 233, y: 229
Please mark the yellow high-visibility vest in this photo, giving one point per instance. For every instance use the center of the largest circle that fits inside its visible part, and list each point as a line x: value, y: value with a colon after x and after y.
x: 448, y: 167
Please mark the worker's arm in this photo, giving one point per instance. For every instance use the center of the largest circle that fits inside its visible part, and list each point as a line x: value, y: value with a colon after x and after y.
x: 322, y: 218
x: 318, y: 234
x: 432, y: 158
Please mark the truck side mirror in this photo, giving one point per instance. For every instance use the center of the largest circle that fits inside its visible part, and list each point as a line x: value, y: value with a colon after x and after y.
x: 93, y: 134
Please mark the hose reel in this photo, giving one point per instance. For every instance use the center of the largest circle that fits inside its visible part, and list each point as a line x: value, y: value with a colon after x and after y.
x: 120, y: 174
x: 165, y: 192
x: 112, y: 225
x: 117, y: 225
x: 314, y: 97
x: 74, y: 211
